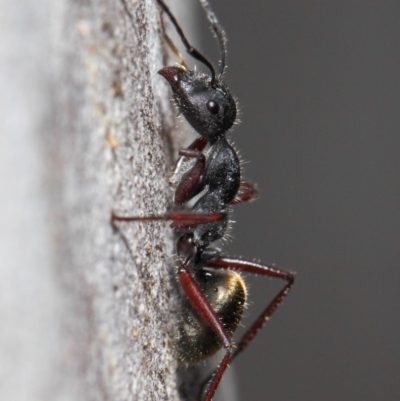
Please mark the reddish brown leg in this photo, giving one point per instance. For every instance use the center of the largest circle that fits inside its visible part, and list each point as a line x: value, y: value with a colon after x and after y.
x: 182, y: 221
x: 256, y: 268
x: 207, y: 313
x: 179, y: 220
x: 247, y: 193
x: 190, y: 183
x: 198, y: 144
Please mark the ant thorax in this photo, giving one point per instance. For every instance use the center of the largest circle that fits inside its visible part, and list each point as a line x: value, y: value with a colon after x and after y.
x: 215, y: 191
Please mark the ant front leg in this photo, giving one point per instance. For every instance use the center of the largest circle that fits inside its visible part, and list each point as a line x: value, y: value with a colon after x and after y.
x: 198, y: 144
x: 191, y: 182
x: 256, y: 268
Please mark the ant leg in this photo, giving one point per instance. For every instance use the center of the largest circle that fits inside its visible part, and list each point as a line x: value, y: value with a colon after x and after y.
x: 198, y: 144
x: 256, y: 268
x: 207, y: 313
x: 247, y: 193
x: 186, y: 250
x: 180, y: 220
x: 190, y: 184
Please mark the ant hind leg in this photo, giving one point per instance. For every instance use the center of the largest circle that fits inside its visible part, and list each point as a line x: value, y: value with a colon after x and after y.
x: 254, y: 268
x: 265, y: 270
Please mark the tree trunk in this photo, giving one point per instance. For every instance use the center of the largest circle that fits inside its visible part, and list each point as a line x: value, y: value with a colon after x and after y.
x: 88, y: 311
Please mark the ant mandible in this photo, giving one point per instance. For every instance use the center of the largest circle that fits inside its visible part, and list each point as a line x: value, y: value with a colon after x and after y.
x: 214, y: 292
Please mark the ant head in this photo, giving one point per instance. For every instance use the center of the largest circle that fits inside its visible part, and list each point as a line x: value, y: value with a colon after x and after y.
x: 206, y: 104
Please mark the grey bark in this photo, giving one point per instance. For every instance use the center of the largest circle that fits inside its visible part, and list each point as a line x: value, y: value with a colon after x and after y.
x: 87, y: 311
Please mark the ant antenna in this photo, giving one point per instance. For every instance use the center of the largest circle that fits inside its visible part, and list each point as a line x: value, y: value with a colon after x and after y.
x: 218, y: 32
x: 172, y: 45
x: 189, y: 48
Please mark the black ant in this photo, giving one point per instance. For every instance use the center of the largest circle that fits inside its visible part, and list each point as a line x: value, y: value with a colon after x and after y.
x: 214, y: 293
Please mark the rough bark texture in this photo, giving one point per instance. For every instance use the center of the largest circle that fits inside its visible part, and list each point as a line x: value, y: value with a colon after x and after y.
x: 123, y: 295
x: 87, y: 311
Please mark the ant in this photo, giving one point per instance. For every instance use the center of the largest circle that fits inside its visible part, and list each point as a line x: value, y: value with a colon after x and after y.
x: 214, y: 292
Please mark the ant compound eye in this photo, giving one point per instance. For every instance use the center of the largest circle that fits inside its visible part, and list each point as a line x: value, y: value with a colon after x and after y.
x: 213, y: 107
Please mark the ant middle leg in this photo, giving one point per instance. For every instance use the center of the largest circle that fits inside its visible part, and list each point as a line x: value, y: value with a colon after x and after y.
x: 180, y: 220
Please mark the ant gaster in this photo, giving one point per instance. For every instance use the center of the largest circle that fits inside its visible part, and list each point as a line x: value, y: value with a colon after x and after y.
x: 214, y: 293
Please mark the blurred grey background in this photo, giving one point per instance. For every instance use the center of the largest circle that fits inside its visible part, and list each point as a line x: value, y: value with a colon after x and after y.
x: 318, y: 83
